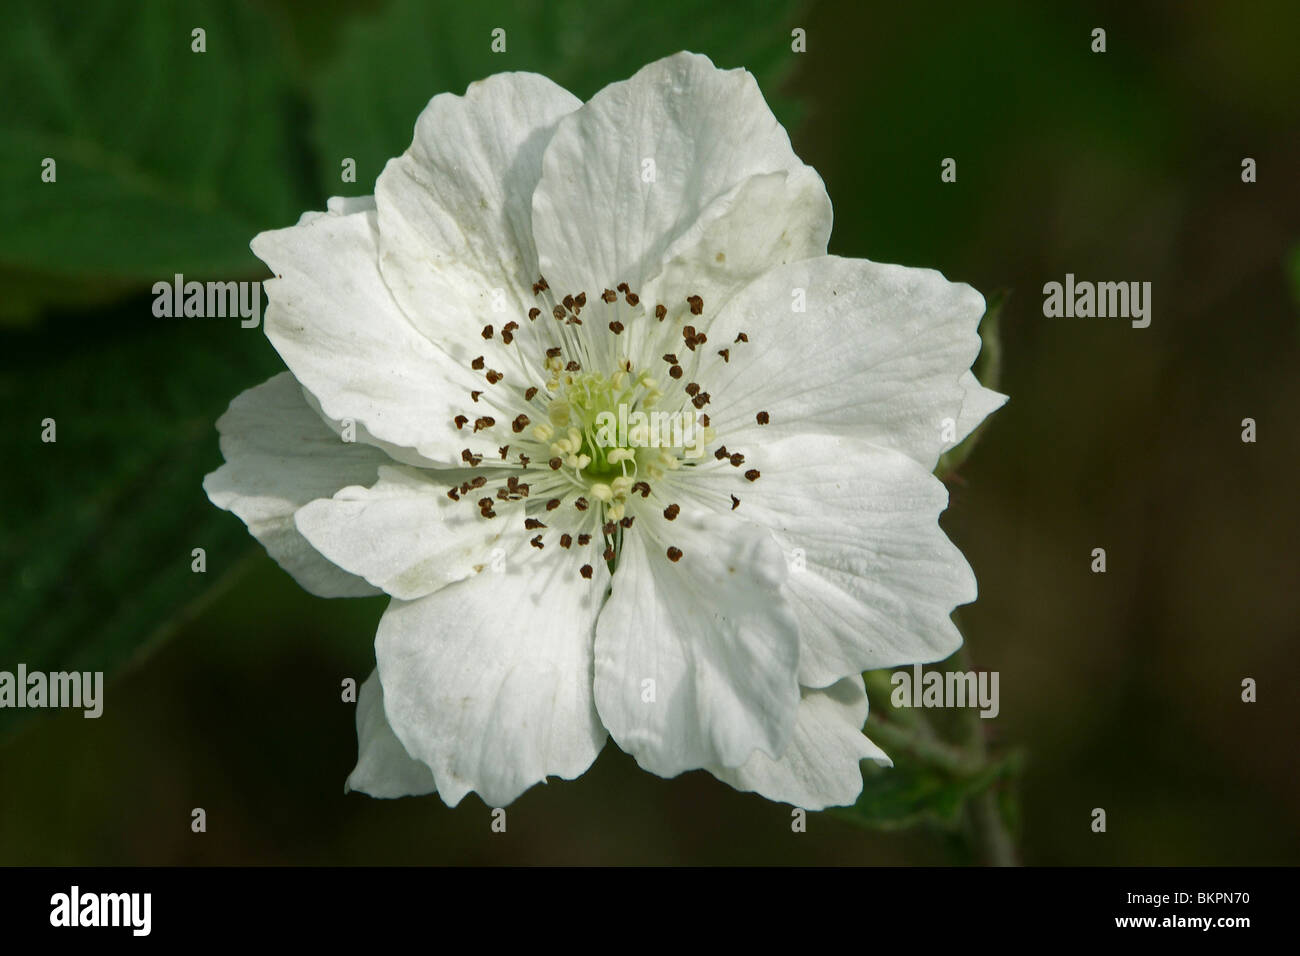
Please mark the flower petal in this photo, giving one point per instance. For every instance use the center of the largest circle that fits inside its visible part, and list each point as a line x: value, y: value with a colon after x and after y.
x: 874, y: 579
x: 489, y: 680
x: 878, y: 355
x: 821, y: 767
x: 712, y: 632
x: 596, y: 219
x: 279, y: 456
x: 384, y: 768
x: 404, y: 535
x: 336, y: 326
x: 455, y: 210
x: 977, y: 404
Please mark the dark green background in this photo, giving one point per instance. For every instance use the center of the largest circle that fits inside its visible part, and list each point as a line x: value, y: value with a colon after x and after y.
x: 1121, y: 690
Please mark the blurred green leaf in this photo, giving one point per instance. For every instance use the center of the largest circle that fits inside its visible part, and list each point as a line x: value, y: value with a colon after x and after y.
x: 100, y: 524
x: 167, y: 160
x: 389, y: 66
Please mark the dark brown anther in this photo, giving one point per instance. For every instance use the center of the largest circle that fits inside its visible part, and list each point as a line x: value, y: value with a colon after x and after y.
x: 643, y: 487
x: 532, y: 524
x: 503, y: 494
x: 574, y: 320
x: 470, y: 458
x: 573, y: 366
x: 737, y: 460
x: 616, y: 327
x: 487, y: 421
x: 609, y: 553
x: 464, y: 487
x: 524, y: 460
x: 742, y: 337
x: 726, y: 354
x: 762, y: 418
x: 558, y: 312
x: 609, y: 295
x: 478, y: 481
x: 627, y: 522
x: 675, y: 371
x: 609, y: 528
x: 529, y: 393
x: 688, y: 332
x: 632, y: 298
x: 537, y: 543
x: 460, y: 421
x: 581, y: 504
x: 752, y: 474
x: 581, y: 300
x: 696, y: 303
x: 670, y: 358
x: 554, y: 352
x: 540, y: 285
x: 507, y: 336
x: 701, y: 339
x: 475, y: 394
x: 672, y: 511
x: 477, y: 364
x: 622, y: 287
x: 503, y: 451
x: 552, y: 504
x: 700, y: 400
x: 721, y: 453
x: 693, y: 389
x: 533, y: 313
x: 493, y: 376
x: 566, y: 540
x: 674, y: 555
x: 735, y: 502
x: 660, y: 312
x: 584, y: 539
x: 568, y: 302
x: 453, y: 494
x: 555, y: 464
x: 487, y: 331
x: 519, y: 424
x: 704, y: 421
x: 585, y: 571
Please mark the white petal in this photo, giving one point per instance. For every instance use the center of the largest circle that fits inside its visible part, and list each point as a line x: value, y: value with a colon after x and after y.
x: 596, y: 220
x: 821, y: 766
x: 384, y: 768
x: 333, y: 321
x: 489, y: 680
x: 878, y: 355
x: 455, y: 210
x: 404, y: 535
x: 279, y: 456
x: 977, y: 404
x: 873, y: 578
x: 714, y: 635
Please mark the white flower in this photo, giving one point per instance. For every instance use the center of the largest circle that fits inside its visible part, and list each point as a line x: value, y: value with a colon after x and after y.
x: 550, y: 588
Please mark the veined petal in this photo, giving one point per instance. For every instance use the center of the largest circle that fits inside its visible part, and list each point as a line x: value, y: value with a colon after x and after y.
x: 596, y: 218
x: 384, y: 768
x: 712, y: 634
x: 821, y: 766
x: 489, y: 680
x: 404, y: 535
x: 878, y: 354
x: 279, y: 456
x: 333, y: 321
x: 873, y: 578
x: 455, y: 210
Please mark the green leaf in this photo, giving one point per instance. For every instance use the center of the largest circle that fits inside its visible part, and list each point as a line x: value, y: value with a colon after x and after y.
x: 988, y: 369
x: 101, y: 523
x: 390, y: 66
x: 166, y: 160
x: 916, y: 791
